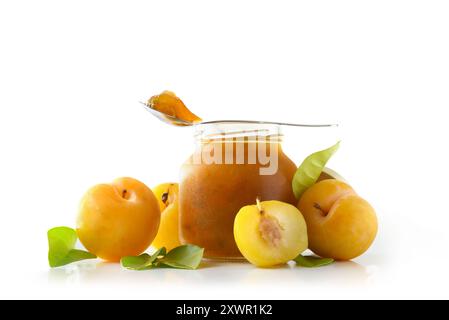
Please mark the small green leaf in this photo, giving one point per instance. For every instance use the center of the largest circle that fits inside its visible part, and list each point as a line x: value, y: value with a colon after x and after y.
x: 312, y: 262
x: 137, y: 263
x: 310, y: 169
x: 144, y: 261
x: 61, y: 243
x: 183, y: 257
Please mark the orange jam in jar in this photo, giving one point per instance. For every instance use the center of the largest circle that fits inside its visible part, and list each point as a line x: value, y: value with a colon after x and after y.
x: 234, y: 163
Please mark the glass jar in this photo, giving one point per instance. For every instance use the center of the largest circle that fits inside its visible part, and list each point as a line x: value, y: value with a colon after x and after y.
x: 233, y: 164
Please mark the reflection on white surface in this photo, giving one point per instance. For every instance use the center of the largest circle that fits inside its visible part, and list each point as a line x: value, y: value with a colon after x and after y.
x: 372, y: 275
x: 339, y: 273
x: 213, y: 273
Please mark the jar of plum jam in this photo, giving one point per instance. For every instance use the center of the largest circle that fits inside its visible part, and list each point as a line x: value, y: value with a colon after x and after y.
x: 234, y: 163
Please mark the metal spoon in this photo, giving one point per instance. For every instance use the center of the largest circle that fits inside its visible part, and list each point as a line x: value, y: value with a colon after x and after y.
x: 182, y: 123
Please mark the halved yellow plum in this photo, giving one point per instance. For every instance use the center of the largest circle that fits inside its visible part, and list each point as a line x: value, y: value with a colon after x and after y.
x: 270, y: 233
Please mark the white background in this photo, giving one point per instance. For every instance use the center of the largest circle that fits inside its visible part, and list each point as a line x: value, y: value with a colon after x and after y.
x: 72, y: 72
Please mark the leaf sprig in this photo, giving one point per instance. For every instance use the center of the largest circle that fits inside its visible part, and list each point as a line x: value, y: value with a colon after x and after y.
x: 183, y: 257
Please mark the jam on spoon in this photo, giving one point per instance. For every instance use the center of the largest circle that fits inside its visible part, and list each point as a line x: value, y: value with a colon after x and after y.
x: 168, y: 104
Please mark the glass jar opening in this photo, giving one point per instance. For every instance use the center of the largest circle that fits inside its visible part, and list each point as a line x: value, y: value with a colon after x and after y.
x: 230, y: 131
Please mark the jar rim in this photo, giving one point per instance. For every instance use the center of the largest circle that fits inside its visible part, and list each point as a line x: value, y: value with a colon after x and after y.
x: 233, y: 130
x: 230, y: 130
x: 266, y: 123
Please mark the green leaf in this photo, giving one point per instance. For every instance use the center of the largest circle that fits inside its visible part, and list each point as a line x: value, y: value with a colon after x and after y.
x: 183, y: 257
x: 144, y: 261
x: 61, y: 243
x: 137, y: 263
x: 312, y: 262
x: 310, y: 169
